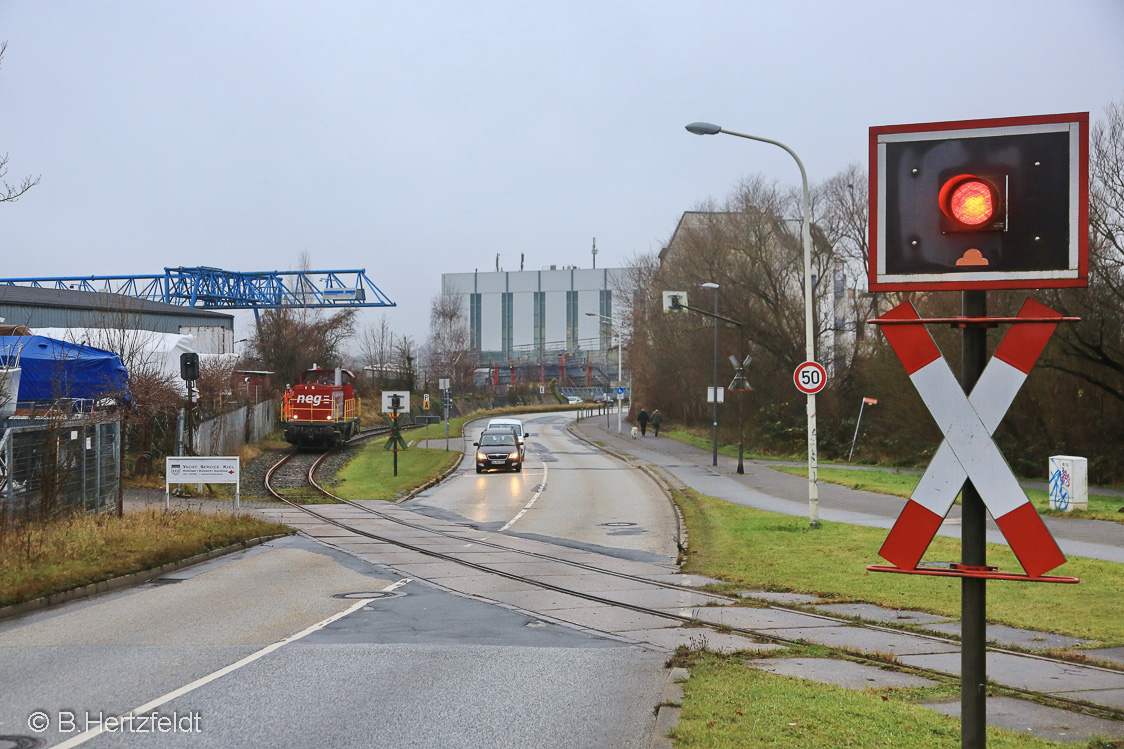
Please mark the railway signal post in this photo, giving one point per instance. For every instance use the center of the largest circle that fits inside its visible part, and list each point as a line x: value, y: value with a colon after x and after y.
x: 972, y: 206
x: 394, y: 402
x: 446, y: 401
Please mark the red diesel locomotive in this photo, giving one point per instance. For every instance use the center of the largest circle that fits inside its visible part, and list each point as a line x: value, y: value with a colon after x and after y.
x: 322, y: 410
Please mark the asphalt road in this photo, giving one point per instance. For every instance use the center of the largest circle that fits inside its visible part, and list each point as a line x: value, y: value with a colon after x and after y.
x: 572, y: 493
x: 258, y: 649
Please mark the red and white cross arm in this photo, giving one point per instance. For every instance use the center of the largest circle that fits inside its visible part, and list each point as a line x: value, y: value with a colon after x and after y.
x: 968, y: 450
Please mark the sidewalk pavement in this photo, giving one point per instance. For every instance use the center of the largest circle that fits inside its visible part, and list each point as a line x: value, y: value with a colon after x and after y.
x: 766, y: 489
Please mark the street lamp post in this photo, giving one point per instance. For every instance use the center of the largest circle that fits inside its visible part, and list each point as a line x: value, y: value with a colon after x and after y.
x: 620, y: 348
x: 714, y: 405
x: 706, y: 128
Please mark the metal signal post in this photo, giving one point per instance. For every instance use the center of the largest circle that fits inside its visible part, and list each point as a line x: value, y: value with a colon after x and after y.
x: 965, y: 206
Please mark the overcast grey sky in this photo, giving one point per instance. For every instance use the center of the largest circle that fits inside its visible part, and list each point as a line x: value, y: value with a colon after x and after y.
x: 413, y: 139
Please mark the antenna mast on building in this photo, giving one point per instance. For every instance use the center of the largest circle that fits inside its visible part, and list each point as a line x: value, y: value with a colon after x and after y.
x: 595, y: 253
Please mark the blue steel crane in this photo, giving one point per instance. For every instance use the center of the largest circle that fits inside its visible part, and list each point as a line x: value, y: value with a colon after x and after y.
x: 214, y: 288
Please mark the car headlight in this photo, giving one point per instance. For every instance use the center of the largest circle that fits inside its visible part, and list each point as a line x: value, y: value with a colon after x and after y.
x: 481, y: 457
x: 514, y: 456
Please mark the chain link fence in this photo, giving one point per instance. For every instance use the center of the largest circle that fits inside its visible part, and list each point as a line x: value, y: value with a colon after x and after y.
x: 54, y: 467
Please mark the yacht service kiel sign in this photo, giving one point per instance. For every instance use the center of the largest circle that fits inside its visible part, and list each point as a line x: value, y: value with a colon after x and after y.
x: 219, y: 470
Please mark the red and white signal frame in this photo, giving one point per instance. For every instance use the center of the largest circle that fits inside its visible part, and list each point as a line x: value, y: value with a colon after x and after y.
x: 1076, y: 124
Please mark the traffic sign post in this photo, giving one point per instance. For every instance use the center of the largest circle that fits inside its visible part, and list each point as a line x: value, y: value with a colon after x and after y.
x: 740, y: 385
x: 446, y: 402
x: 866, y: 402
x: 967, y: 413
x: 971, y: 206
x: 393, y: 403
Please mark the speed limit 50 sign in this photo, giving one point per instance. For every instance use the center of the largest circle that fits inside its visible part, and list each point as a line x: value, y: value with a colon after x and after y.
x: 810, y: 377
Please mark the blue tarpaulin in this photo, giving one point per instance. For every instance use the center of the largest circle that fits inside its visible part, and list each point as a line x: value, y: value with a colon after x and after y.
x: 54, y: 369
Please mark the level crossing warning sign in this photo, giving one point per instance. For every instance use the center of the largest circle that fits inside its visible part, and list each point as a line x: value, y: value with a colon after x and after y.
x: 968, y: 451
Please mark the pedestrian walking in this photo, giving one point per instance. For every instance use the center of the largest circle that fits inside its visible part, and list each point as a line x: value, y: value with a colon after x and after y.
x: 657, y: 419
x: 642, y: 420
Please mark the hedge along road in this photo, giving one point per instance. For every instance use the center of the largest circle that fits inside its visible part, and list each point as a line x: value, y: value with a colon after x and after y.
x: 568, y: 491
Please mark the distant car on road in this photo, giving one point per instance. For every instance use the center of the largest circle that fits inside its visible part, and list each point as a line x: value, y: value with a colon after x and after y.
x: 573, y: 400
x: 498, y: 448
x: 600, y: 398
x: 516, y: 426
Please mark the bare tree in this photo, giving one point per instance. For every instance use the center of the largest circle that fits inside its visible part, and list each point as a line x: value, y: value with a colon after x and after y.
x: 376, y: 350
x: 11, y: 193
x: 406, y: 361
x: 449, y: 346
x: 1093, y: 350
x: 288, y: 341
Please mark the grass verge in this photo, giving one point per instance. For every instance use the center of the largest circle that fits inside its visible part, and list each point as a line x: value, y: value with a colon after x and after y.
x: 729, y: 704
x: 758, y: 550
x: 370, y: 474
x: 1101, y: 507
x: 39, y: 559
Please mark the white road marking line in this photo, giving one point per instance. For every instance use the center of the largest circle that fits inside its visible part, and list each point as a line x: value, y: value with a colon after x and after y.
x: 526, y: 507
x: 395, y: 586
x: 85, y: 736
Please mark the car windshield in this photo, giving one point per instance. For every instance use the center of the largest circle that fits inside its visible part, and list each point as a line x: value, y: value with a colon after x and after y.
x: 497, y: 439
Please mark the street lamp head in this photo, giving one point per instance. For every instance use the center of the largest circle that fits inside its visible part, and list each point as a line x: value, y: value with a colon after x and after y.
x: 703, y: 128
x: 709, y: 285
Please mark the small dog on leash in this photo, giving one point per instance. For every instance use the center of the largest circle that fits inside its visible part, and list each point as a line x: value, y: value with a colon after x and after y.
x: 634, y: 432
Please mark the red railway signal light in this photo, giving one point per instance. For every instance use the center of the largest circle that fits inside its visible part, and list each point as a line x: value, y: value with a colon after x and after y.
x: 979, y: 204
x: 971, y: 203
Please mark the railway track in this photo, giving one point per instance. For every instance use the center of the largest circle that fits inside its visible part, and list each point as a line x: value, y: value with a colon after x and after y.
x: 287, y: 472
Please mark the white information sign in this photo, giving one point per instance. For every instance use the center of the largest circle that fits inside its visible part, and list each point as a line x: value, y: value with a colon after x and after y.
x: 388, y: 401
x: 193, y: 470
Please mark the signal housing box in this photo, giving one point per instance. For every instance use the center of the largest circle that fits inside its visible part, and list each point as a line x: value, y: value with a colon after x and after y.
x: 1040, y: 241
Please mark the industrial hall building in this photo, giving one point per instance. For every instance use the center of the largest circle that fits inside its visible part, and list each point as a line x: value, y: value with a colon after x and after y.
x: 549, y: 321
x: 40, y: 308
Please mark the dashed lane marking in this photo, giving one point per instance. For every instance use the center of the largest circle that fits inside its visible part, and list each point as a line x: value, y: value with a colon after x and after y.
x: 528, y: 506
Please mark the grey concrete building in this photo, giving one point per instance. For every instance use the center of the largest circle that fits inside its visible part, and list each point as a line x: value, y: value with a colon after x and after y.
x: 517, y: 315
x: 63, y: 308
